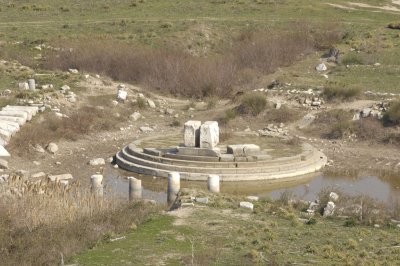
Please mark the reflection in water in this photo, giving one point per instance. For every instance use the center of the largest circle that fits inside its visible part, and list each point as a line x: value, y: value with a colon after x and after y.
x: 305, y: 187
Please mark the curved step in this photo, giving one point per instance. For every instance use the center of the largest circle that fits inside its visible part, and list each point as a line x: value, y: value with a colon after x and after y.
x: 216, y: 169
x: 147, y: 170
x: 137, y: 152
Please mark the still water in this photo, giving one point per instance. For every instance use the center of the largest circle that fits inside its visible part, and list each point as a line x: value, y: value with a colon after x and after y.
x: 306, y: 187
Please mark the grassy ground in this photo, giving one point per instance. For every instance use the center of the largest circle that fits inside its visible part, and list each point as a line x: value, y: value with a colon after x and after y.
x: 231, y: 236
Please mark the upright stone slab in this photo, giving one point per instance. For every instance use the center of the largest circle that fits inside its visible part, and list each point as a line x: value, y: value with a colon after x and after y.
x: 32, y: 84
x: 97, y: 185
x: 135, y: 188
x: 209, y: 135
x: 191, y: 134
x: 213, y: 183
x: 174, y: 185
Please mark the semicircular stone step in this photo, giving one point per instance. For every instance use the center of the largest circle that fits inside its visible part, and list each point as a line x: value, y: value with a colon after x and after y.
x: 215, y: 169
x: 138, y: 152
x: 147, y: 170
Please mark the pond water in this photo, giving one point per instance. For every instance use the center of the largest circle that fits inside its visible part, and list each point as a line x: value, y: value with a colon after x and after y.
x: 305, y: 187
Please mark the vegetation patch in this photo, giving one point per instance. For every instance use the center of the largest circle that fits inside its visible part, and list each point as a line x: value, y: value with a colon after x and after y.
x: 341, y: 92
x: 252, y: 104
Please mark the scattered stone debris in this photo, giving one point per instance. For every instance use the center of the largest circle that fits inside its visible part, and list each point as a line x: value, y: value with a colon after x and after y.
x: 329, y: 209
x: 52, y: 147
x: 274, y: 131
x: 333, y: 196
x: 146, y: 129
x: 253, y: 198
x: 246, y: 205
x: 54, y: 178
x: 97, y: 161
x: 321, y: 67
x: 135, y: 116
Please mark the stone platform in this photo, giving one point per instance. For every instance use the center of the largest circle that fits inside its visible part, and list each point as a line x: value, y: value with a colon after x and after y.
x: 245, y: 164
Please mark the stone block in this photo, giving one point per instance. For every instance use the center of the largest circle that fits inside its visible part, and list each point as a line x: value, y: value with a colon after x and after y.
x: 209, y: 135
x: 191, y: 135
x: 215, y: 152
x: 226, y: 158
x: 246, y: 205
x: 243, y: 149
x: 152, y: 151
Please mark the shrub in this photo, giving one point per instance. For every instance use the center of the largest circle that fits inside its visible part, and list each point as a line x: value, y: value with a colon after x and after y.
x: 392, y: 116
x: 394, y: 25
x: 333, y: 92
x: 141, y: 103
x: 352, y: 59
x: 282, y: 115
x: 230, y: 114
x: 339, y: 130
x: 253, y: 103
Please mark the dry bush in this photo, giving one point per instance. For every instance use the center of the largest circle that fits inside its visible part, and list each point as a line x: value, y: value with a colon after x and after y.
x: 392, y: 116
x: 394, y: 25
x: 252, y: 104
x: 179, y: 73
x: 333, y: 124
x: 82, y: 122
x: 49, y: 220
x: 282, y: 115
x: 340, y: 92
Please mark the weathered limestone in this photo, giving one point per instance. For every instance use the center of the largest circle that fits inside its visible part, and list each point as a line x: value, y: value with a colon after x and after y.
x: 32, y: 84
x: 246, y: 205
x: 213, y: 183
x: 135, y: 188
x: 33, y: 110
x: 52, y: 148
x: 174, y: 185
x: 191, y: 135
x: 54, y: 178
x: 97, y: 185
x: 20, y: 114
x: 19, y: 120
x: 209, y: 135
x: 329, y: 209
x: 243, y: 149
x: 10, y: 129
x: 189, y: 151
x: 121, y: 95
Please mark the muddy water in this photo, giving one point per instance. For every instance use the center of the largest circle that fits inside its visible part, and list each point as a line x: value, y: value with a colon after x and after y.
x: 305, y: 187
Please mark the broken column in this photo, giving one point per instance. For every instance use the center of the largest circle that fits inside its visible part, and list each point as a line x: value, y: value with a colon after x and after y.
x: 213, y: 183
x: 209, y: 135
x: 97, y: 185
x: 174, y: 185
x: 135, y: 188
x: 32, y: 84
x: 191, y: 135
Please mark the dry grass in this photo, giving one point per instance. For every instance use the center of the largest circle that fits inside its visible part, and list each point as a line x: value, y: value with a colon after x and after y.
x: 179, y: 73
x: 283, y: 115
x: 84, y: 121
x: 341, y: 92
x: 40, y: 221
x: 392, y: 116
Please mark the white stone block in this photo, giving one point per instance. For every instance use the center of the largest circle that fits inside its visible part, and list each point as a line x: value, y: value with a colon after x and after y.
x: 191, y: 134
x: 246, y: 205
x: 121, y: 96
x: 209, y: 135
x: 32, y: 84
x: 4, y: 152
x: 243, y: 149
x: 213, y: 183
